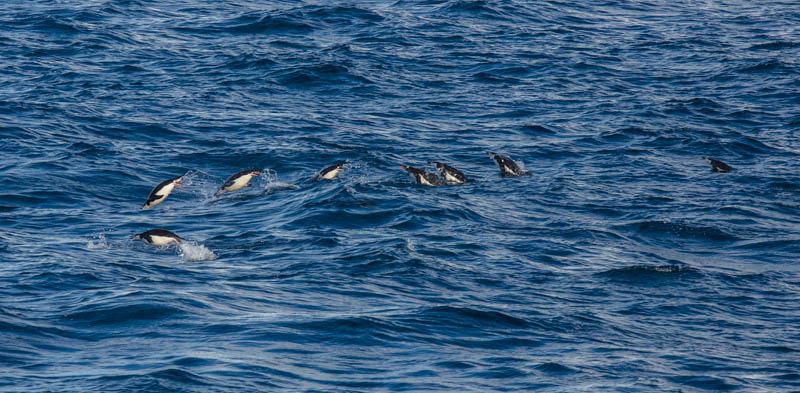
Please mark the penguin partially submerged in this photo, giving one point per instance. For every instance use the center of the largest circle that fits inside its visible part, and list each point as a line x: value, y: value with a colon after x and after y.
x: 158, y: 237
x: 717, y: 165
x: 422, y: 177
x: 161, y: 192
x: 448, y: 173
x: 507, y: 166
x: 329, y: 172
x: 238, y: 181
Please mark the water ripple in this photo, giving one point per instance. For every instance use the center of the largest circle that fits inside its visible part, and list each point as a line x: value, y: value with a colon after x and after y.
x: 621, y: 262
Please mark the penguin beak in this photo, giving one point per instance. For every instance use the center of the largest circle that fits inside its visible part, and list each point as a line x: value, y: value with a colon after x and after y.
x: 402, y: 167
x: 255, y: 173
x: 178, y: 181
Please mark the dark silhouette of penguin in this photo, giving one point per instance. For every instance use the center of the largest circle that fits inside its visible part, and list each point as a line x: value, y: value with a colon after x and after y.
x: 448, y: 173
x: 717, y: 165
x: 507, y: 166
x: 158, y: 237
x: 422, y: 177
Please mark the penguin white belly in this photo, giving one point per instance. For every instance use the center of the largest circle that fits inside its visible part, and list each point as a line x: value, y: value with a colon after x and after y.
x: 161, y: 195
x: 451, y: 178
x: 330, y: 175
x: 424, y: 181
x: 240, y: 183
x: 159, y: 199
x: 162, y: 240
x: 166, y: 190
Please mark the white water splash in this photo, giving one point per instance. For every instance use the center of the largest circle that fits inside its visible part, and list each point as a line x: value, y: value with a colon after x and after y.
x: 196, y: 252
x: 271, y: 182
x: 268, y: 176
x: 99, y: 243
x: 200, y: 184
x: 279, y: 185
x: 190, y: 176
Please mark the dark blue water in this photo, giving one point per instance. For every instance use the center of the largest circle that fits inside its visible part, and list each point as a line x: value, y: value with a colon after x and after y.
x: 620, y: 263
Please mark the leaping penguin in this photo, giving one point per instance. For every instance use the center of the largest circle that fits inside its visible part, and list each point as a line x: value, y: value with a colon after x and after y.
x: 328, y: 173
x: 422, y: 177
x: 161, y: 192
x: 237, y: 181
x: 507, y: 166
x: 717, y: 165
x: 450, y: 174
x: 158, y: 237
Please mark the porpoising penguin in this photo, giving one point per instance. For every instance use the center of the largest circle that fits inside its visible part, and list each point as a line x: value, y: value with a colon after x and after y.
x: 448, y: 173
x: 158, y: 237
x: 507, y: 166
x: 237, y: 181
x: 717, y: 165
x: 422, y: 177
x: 328, y: 173
x: 161, y: 192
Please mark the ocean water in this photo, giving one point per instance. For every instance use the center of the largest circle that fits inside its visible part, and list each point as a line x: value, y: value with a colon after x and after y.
x: 620, y: 263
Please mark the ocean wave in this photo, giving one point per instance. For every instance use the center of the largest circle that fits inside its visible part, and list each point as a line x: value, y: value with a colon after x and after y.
x: 649, y: 274
x: 125, y: 314
x: 679, y: 230
x: 608, y: 266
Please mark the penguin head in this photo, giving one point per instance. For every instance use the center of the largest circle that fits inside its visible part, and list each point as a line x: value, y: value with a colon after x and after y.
x: 413, y: 172
x: 177, y: 181
x: 254, y: 172
x: 136, y: 237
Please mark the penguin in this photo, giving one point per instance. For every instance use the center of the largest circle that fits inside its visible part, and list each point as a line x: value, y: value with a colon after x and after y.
x: 717, y: 165
x: 450, y: 174
x: 237, y: 181
x: 328, y: 173
x: 158, y: 237
x: 507, y: 166
x: 422, y: 177
x: 161, y: 192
